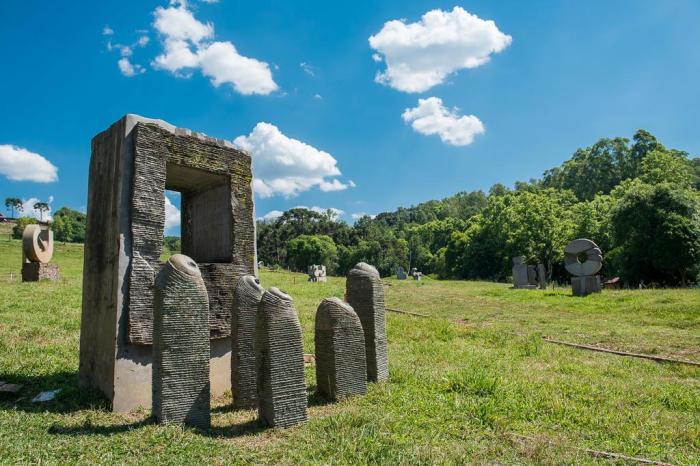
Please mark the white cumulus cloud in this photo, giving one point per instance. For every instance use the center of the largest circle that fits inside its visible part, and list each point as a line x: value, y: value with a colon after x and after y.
x: 271, y: 215
x: 335, y: 213
x: 129, y: 69
x: 286, y: 166
x: 423, y: 54
x: 187, y: 45
x: 431, y: 117
x: 172, y: 215
x: 19, y: 164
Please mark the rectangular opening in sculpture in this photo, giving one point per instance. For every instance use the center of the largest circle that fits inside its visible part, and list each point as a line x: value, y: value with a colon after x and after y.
x: 206, y: 221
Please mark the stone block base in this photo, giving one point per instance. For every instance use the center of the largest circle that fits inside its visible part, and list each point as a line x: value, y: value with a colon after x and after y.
x: 583, y: 286
x: 35, y: 271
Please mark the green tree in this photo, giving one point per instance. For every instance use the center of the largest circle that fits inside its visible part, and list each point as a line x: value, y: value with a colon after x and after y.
x: 75, y: 220
x: 63, y: 228
x: 667, y: 167
x: 19, y: 227
x: 306, y: 250
x: 41, y: 207
x: 657, y: 230
x: 13, y: 204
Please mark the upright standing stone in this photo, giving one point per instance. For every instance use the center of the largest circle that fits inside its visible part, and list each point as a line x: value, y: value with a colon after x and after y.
x: 585, y: 280
x: 541, y: 276
x: 401, y: 274
x: 341, y: 366
x: 317, y: 273
x: 279, y: 356
x: 366, y: 296
x: 133, y: 162
x: 523, y: 275
x: 181, y: 388
x: 246, y: 299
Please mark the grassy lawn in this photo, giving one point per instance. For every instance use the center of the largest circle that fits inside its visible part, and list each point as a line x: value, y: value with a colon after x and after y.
x: 461, y: 381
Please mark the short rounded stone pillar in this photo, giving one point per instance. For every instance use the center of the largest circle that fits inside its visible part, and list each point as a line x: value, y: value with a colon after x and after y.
x: 279, y: 356
x: 181, y: 389
x: 246, y: 299
x: 341, y: 366
x: 366, y: 296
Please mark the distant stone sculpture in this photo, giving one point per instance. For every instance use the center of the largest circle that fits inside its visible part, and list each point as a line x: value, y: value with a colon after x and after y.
x: 181, y: 389
x: 37, y: 250
x: 522, y: 274
x: 279, y: 357
x: 132, y: 164
x: 366, y: 296
x: 541, y: 276
x: 416, y: 274
x: 585, y: 281
x: 341, y: 366
x: 246, y: 299
x: 401, y: 274
x: 317, y: 273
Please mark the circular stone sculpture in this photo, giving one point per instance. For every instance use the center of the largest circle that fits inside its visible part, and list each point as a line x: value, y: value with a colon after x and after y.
x: 37, y: 244
x: 593, y: 262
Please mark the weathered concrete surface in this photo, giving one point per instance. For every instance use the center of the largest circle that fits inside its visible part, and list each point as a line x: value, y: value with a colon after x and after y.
x: 366, y: 296
x: 521, y: 274
x: 35, y: 271
x: 115, y: 351
x: 341, y: 365
x: 279, y: 355
x: 181, y: 390
x: 246, y: 299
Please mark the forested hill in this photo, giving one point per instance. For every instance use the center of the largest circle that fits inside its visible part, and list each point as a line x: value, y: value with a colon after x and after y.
x: 636, y: 198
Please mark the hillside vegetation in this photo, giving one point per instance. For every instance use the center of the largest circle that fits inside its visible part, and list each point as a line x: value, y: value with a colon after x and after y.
x: 637, y: 199
x: 464, y: 382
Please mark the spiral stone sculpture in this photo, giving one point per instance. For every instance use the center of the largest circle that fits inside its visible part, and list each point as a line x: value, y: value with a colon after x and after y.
x: 366, y: 296
x: 341, y: 366
x: 181, y: 388
x: 246, y: 299
x: 279, y: 357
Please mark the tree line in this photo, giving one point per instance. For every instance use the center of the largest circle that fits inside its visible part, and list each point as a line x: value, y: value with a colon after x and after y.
x: 638, y: 200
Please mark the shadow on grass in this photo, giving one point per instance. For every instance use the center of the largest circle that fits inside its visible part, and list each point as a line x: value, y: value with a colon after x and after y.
x: 70, y: 398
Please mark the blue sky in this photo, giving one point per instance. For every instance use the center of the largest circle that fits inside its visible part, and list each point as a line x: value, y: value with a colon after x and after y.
x: 297, y: 81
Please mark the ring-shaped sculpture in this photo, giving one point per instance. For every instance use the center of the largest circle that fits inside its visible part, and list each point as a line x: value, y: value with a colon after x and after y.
x: 37, y: 244
x: 593, y: 262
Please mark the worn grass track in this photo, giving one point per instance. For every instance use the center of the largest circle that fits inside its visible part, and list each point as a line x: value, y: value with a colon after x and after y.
x: 462, y: 381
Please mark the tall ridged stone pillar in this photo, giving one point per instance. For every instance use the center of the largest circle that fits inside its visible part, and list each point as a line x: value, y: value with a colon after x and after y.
x: 181, y: 388
x: 341, y: 367
x: 279, y: 356
x: 246, y: 299
x: 366, y: 296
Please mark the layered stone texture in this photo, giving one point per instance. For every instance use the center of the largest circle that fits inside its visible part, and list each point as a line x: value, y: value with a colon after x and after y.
x: 246, y: 299
x: 132, y: 164
x: 282, y: 400
x: 366, y: 296
x: 35, y: 271
x: 341, y: 365
x: 181, y: 390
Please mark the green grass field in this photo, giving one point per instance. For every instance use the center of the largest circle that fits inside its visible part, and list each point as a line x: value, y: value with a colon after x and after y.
x: 462, y: 382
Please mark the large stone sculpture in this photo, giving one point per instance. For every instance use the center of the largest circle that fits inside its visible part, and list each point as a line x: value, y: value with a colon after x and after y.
x: 181, y: 390
x: 37, y: 250
x: 246, y: 299
x: 366, y: 296
x: 132, y: 164
x: 317, y: 273
x: 341, y: 366
x: 279, y: 355
x: 585, y: 281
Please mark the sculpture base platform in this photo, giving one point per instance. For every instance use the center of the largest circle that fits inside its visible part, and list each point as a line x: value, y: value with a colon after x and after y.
x: 35, y: 271
x: 583, y: 286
